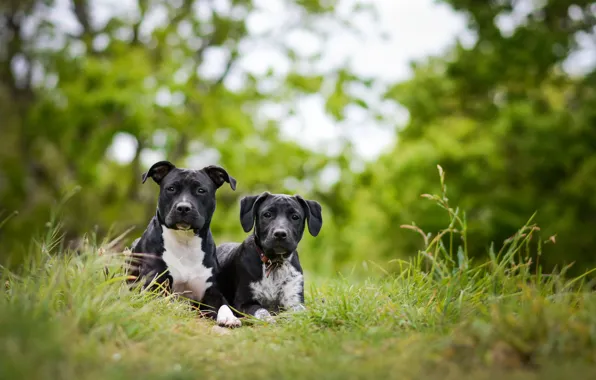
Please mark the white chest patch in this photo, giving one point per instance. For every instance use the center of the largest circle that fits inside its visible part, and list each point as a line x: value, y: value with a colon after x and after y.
x: 281, y: 289
x: 184, y: 257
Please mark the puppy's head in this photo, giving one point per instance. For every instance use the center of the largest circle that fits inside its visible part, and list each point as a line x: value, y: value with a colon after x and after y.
x: 187, y: 196
x: 279, y: 220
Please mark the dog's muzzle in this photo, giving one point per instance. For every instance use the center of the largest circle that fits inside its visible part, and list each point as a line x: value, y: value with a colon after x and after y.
x: 184, y: 217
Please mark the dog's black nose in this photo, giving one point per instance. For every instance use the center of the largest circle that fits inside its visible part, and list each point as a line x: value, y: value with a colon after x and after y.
x: 183, y: 208
x: 280, y: 234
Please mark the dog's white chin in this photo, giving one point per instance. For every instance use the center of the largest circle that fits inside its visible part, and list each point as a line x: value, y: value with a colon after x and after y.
x: 183, y: 226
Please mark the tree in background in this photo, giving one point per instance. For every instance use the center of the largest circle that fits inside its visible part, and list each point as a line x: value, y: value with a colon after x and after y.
x: 510, y: 123
x: 76, y: 76
x: 514, y: 130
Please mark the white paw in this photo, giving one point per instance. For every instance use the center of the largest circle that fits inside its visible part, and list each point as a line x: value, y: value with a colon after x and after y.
x: 226, y: 318
x: 264, y: 315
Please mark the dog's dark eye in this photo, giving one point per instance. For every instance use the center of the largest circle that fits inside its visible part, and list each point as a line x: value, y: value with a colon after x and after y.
x: 171, y: 189
x: 295, y: 217
x: 201, y: 191
x: 267, y: 215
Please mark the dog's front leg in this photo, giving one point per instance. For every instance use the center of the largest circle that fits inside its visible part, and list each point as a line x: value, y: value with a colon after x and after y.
x: 154, y: 276
x: 294, y: 302
x: 214, y: 300
x: 160, y: 283
x: 246, y: 304
x: 258, y: 311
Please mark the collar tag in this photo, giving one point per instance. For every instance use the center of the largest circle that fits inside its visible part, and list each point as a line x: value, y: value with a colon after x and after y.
x: 269, y: 265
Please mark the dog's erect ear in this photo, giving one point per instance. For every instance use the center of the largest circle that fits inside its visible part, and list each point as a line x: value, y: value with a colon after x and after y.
x: 219, y: 175
x: 248, y: 206
x: 158, y: 171
x: 312, y: 209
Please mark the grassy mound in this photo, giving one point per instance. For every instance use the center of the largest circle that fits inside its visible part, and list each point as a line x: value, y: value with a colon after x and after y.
x: 439, y: 315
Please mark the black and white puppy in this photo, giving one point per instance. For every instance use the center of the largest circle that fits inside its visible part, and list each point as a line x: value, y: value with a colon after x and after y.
x: 177, y: 251
x: 263, y: 273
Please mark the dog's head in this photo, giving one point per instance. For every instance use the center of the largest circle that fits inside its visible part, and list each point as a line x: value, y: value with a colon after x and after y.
x: 279, y: 220
x: 187, y: 196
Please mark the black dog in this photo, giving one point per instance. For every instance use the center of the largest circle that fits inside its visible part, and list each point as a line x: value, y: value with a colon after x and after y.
x: 177, y: 251
x: 263, y: 274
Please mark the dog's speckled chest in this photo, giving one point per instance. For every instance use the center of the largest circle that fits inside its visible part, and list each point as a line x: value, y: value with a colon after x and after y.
x: 281, y: 288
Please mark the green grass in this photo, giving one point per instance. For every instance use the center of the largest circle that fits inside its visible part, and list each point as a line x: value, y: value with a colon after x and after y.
x: 437, y: 316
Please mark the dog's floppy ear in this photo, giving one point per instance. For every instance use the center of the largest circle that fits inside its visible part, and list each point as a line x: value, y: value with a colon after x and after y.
x: 312, y: 209
x: 219, y: 175
x: 248, y: 205
x: 158, y: 171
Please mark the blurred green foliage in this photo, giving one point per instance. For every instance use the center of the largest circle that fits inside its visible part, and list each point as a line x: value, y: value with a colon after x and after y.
x: 515, y: 133
x: 513, y: 130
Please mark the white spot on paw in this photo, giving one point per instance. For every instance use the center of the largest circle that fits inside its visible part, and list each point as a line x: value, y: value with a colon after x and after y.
x: 264, y: 315
x: 226, y: 318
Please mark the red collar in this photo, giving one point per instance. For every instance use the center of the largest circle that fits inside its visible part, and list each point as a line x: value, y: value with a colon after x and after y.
x: 269, y: 265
